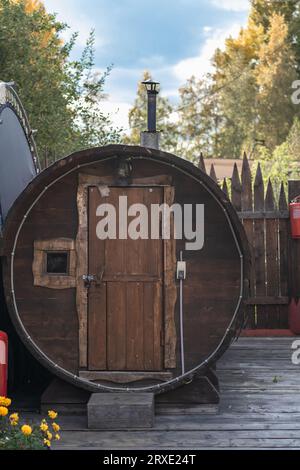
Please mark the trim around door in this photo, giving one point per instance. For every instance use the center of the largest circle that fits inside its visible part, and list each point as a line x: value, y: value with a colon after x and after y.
x: 169, y: 290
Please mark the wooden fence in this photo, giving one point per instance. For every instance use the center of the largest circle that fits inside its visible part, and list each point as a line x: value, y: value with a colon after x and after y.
x: 275, y: 275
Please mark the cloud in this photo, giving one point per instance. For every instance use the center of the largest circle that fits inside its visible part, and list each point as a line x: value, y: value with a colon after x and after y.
x: 232, y: 5
x: 121, y: 88
x: 201, y: 64
x: 67, y: 12
x: 118, y: 112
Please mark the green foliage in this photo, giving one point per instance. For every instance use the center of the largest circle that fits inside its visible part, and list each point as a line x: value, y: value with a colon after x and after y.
x: 198, y: 119
x: 247, y: 97
x: 62, y: 97
x: 279, y: 165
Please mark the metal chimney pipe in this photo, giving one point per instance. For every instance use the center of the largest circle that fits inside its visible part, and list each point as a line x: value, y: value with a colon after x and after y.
x: 150, y: 138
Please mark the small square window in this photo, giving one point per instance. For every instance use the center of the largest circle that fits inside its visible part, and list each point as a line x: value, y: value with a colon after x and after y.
x: 57, y: 262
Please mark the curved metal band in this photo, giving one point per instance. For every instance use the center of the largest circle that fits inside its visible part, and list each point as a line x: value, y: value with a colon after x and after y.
x: 158, y: 388
x: 9, y: 97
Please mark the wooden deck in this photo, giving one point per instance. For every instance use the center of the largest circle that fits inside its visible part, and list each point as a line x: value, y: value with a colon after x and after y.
x: 260, y: 408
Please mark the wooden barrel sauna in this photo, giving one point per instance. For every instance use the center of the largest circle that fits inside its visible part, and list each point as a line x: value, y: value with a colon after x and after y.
x: 106, y: 315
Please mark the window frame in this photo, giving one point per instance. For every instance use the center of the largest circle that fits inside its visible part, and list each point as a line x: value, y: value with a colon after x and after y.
x: 41, y: 277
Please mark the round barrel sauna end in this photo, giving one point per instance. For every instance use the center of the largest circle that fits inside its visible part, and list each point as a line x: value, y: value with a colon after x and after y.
x: 125, y: 269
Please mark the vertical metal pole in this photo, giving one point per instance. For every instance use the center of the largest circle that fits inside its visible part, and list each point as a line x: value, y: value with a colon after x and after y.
x: 181, y: 323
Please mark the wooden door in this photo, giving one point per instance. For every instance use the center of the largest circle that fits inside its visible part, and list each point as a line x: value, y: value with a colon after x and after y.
x: 125, y: 329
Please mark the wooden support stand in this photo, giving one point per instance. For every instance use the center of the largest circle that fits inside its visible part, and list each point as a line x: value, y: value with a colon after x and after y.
x: 202, y: 390
x: 130, y: 410
x: 64, y: 398
x: 121, y: 411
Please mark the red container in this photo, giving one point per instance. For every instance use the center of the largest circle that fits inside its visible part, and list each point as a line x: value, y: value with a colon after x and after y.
x: 3, y: 363
x: 294, y: 316
x: 295, y: 217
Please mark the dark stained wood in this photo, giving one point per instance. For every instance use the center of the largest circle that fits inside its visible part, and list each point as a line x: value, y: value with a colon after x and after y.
x: 111, y: 180
x: 116, y: 326
x: 267, y: 301
x: 225, y: 188
x: 283, y: 258
x: 170, y: 289
x: 201, y: 163
x: 125, y: 377
x: 200, y: 391
x: 275, y: 214
x: 153, y: 328
x: 135, y: 326
x: 212, y: 173
x: 58, y: 322
x: 259, y: 250
x: 131, y: 274
x: 97, y: 328
x: 236, y: 189
x: 271, y: 252
x: 49, y: 314
x: 247, y: 205
x: 97, y: 322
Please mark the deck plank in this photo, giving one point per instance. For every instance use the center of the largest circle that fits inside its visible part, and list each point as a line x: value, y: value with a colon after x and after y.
x: 260, y: 408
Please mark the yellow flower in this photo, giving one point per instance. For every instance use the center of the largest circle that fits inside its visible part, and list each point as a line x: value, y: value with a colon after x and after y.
x: 26, y: 429
x: 56, y: 427
x: 5, y: 401
x: 52, y: 414
x: 49, y: 435
x: 44, y: 427
x: 47, y: 443
x: 14, y: 419
x: 3, y: 411
x: 57, y: 437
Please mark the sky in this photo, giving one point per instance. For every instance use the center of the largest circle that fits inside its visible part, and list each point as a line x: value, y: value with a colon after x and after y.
x: 173, y: 39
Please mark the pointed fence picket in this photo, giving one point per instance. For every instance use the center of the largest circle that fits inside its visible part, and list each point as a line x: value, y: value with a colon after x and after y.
x: 275, y: 272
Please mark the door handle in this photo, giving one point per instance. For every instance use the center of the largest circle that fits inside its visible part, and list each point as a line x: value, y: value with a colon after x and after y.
x: 89, y: 279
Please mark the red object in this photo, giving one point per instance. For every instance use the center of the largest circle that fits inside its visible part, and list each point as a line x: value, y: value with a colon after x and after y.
x: 3, y: 363
x: 266, y: 332
x: 295, y: 217
x: 294, y: 316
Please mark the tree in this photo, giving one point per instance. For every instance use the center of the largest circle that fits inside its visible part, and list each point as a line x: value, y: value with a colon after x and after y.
x: 197, y: 119
x: 235, y: 90
x: 262, y: 12
x: 278, y: 165
x: 138, y: 119
x: 293, y: 140
x: 55, y: 91
x: 274, y: 73
x: 218, y: 111
x: 282, y: 163
x: 248, y: 95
